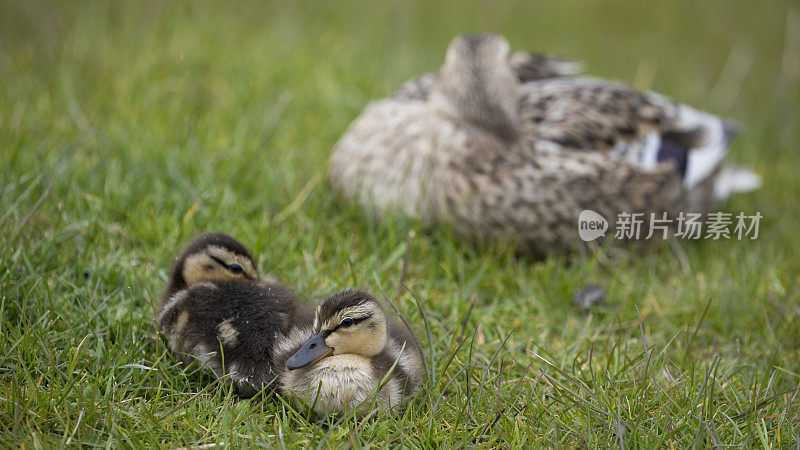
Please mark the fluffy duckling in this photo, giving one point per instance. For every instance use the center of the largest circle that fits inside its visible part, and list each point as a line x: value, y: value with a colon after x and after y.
x: 217, y: 310
x: 350, y: 351
x: 495, y: 155
x: 211, y: 257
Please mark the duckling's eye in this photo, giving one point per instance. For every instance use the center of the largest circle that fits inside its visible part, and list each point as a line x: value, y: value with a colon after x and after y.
x: 236, y: 268
x: 346, y: 322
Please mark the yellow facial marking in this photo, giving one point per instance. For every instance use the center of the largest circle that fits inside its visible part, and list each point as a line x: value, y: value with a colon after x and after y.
x: 203, y: 266
x: 316, y: 318
x: 233, y: 258
x: 355, y: 313
x: 367, y: 337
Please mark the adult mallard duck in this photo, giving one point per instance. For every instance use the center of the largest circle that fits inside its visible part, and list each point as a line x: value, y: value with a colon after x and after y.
x: 346, y: 353
x: 496, y: 154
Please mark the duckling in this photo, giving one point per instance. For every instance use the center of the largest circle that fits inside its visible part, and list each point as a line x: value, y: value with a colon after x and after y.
x: 497, y: 156
x: 350, y: 351
x: 216, y: 309
x: 211, y: 257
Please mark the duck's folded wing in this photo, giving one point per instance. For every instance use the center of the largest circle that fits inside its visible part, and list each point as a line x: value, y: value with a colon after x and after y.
x: 590, y: 114
x: 644, y: 128
x: 528, y: 67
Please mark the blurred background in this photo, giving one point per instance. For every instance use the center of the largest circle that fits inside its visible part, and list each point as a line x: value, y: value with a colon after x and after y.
x: 142, y: 86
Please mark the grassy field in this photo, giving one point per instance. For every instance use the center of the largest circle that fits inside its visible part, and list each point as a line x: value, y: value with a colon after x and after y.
x: 127, y: 128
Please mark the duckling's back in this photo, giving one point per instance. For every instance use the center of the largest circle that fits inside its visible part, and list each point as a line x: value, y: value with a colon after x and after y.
x: 231, y: 327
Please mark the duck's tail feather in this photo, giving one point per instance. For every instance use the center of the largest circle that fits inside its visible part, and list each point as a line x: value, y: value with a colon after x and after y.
x: 704, y: 175
x: 733, y: 179
x: 697, y: 145
x: 705, y: 158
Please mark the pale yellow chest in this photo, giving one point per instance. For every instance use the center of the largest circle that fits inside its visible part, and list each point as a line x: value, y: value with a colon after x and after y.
x: 338, y: 383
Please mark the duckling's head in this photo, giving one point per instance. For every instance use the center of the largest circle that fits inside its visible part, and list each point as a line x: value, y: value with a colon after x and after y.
x: 477, y: 84
x: 349, y: 322
x: 212, y: 257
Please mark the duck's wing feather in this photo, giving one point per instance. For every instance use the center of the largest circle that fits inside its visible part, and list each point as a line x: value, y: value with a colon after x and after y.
x: 647, y: 129
x: 591, y: 114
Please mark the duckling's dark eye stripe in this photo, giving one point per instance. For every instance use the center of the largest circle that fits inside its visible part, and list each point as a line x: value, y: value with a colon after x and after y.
x: 355, y: 320
x: 218, y: 261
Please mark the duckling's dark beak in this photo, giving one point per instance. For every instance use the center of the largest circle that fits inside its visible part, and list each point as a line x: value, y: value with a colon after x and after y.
x: 312, y: 351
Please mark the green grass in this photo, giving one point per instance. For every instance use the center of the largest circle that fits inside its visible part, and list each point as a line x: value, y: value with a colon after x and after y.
x: 128, y: 128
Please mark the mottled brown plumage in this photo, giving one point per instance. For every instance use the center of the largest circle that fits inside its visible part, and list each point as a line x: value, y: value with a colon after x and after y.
x: 526, y: 66
x: 497, y: 155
